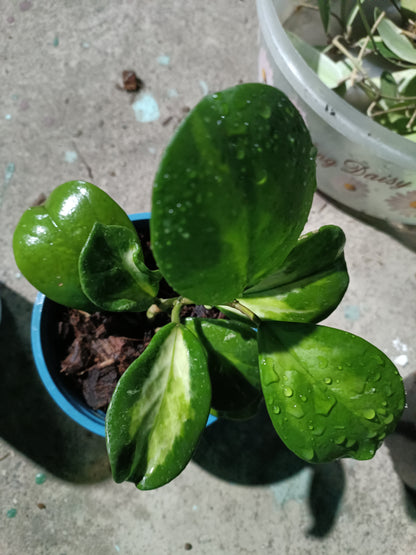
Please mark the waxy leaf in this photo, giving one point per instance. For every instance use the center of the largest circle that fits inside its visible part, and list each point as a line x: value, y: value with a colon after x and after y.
x: 389, y: 88
x: 409, y: 7
x: 395, y: 40
x: 112, y: 271
x: 230, y: 211
x: 329, y: 393
x: 232, y: 363
x: 324, y: 11
x: 309, y: 285
x: 48, y: 239
x: 159, y: 409
x: 308, y: 300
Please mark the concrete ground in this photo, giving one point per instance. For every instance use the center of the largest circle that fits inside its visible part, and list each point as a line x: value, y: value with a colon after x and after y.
x: 62, y: 117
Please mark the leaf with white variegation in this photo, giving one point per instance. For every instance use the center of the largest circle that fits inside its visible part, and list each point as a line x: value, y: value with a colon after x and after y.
x: 159, y: 409
x: 230, y: 210
x: 310, y: 283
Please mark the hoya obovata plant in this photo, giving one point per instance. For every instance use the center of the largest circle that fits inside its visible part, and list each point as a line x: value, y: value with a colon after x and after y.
x: 230, y: 199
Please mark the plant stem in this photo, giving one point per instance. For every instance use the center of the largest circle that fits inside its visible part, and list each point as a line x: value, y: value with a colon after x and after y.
x: 246, y: 311
x: 176, y: 311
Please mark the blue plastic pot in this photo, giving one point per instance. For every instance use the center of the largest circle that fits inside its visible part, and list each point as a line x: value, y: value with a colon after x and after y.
x: 44, y: 339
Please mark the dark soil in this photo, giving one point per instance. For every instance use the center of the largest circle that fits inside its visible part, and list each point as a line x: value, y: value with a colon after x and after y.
x: 98, y: 348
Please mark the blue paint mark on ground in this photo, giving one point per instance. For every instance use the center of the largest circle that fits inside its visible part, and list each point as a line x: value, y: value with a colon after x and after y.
x: 8, y: 175
x: 163, y: 60
x: 9, y: 172
x: 204, y: 87
x: 352, y: 313
x: 146, y: 108
x: 70, y: 156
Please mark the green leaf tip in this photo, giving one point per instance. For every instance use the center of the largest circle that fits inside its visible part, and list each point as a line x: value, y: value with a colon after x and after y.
x: 329, y: 393
x: 247, y: 180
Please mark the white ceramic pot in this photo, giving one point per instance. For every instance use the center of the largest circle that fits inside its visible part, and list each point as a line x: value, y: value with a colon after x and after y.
x: 360, y: 164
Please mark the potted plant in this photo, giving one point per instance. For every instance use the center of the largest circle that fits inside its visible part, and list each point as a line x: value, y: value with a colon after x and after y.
x: 230, y: 199
x: 364, y: 163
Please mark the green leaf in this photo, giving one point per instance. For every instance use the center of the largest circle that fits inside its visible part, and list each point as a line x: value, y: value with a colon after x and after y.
x: 159, y: 410
x: 411, y: 137
x: 309, y: 285
x: 324, y: 11
x: 314, y: 252
x: 331, y: 73
x: 232, y: 193
x: 409, y: 8
x: 395, y: 40
x: 406, y: 81
x: 377, y: 45
x: 112, y: 271
x: 48, y: 239
x: 389, y: 88
x: 329, y: 393
x: 233, y: 365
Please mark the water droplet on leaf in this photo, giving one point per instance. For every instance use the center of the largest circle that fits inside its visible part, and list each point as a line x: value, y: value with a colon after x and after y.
x: 322, y: 362
x: 369, y: 414
x: 389, y: 419
x: 225, y: 109
x: 261, y: 177
x: 266, y: 111
x: 296, y: 411
x: 340, y: 440
x: 324, y: 404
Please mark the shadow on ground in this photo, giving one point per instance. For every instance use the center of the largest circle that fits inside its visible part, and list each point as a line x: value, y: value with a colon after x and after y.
x: 402, y: 446
x: 29, y: 420
x: 404, y: 234
x: 250, y: 453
